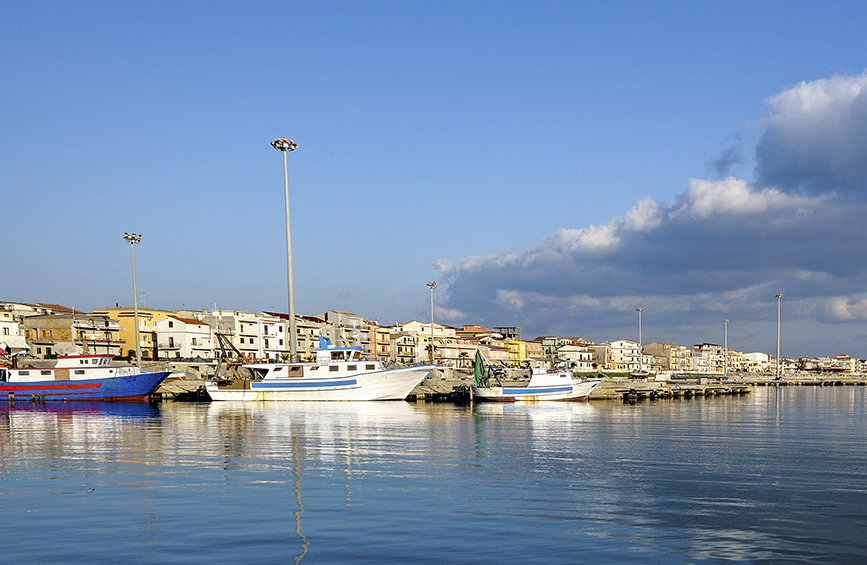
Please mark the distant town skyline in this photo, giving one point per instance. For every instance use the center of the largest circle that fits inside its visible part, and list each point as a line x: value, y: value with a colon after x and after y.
x: 552, y: 167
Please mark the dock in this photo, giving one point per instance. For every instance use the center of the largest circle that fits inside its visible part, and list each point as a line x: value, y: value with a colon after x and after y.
x: 455, y: 387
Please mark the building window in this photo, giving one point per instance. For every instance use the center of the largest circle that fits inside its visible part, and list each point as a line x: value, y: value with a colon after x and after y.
x: 195, y: 342
x: 171, y: 324
x: 242, y: 340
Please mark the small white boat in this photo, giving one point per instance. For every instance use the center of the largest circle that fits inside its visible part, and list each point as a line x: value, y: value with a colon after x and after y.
x: 338, y: 373
x: 544, y: 384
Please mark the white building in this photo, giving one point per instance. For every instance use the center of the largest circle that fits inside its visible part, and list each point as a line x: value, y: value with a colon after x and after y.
x: 579, y: 357
x: 625, y: 355
x: 757, y: 362
x: 11, y: 339
x: 184, y: 338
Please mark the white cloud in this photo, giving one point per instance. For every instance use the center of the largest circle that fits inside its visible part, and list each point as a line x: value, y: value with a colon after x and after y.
x: 842, y: 309
x: 704, y: 198
x: 644, y: 216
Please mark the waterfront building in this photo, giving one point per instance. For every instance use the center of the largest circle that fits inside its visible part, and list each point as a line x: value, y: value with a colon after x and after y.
x: 509, y: 332
x: 184, y: 338
x: 422, y: 333
x: 700, y: 361
x: 736, y: 361
x: 12, y: 339
x: 380, y: 341
x: 460, y: 353
x: 535, y: 354
x: 757, y: 362
x: 579, y: 357
x: 602, y: 356
x: 349, y: 329
x: 49, y: 335
x: 671, y: 357
x: 711, y: 360
x: 147, y: 330
x: 625, y: 355
x: 517, y: 351
x: 239, y: 328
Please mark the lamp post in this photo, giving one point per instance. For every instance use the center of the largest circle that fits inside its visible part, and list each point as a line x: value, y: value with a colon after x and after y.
x: 286, y: 145
x: 779, y: 302
x: 726, y: 348
x: 431, y: 285
x: 133, y: 239
x: 640, y: 364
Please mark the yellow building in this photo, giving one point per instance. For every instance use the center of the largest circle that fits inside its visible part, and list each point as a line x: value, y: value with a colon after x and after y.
x: 147, y: 329
x: 517, y: 351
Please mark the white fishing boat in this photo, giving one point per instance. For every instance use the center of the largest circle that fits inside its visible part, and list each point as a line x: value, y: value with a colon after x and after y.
x: 544, y: 384
x: 338, y: 373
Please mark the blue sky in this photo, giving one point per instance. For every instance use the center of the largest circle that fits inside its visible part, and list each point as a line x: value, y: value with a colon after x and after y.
x: 552, y: 166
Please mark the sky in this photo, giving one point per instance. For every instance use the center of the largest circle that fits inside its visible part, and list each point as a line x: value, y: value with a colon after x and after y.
x: 552, y: 165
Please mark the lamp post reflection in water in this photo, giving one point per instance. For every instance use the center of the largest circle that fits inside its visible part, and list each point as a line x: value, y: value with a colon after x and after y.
x: 296, y: 470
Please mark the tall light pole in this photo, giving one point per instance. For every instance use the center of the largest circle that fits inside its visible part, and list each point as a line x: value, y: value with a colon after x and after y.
x: 431, y: 285
x: 640, y: 364
x: 286, y: 145
x: 779, y: 302
x: 726, y: 348
x: 133, y: 239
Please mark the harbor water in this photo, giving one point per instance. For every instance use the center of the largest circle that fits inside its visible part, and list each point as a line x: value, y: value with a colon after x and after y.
x: 775, y: 476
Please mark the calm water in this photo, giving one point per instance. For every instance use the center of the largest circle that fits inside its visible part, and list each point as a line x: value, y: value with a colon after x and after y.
x: 777, y: 476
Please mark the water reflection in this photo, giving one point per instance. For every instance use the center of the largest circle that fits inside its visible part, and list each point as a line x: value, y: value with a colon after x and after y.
x: 775, y: 476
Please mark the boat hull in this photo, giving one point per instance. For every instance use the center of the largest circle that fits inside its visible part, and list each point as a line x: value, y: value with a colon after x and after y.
x: 578, y: 392
x: 391, y: 384
x: 133, y: 387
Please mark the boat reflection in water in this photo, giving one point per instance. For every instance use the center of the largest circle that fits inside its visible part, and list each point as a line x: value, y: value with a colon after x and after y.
x: 289, y: 436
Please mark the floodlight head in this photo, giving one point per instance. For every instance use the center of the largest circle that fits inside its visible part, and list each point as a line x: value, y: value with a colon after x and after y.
x: 284, y: 144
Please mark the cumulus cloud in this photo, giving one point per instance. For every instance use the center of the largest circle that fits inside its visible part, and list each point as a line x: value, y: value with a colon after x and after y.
x: 702, y: 199
x: 816, y: 137
x: 722, y: 249
x: 843, y: 309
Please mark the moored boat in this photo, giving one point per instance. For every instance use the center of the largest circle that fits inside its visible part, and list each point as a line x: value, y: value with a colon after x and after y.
x: 79, y: 377
x: 544, y: 384
x: 338, y: 373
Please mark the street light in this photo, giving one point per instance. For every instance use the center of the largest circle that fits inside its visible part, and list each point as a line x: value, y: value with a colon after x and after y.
x: 133, y: 239
x: 726, y: 348
x: 640, y: 364
x: 431, y: 285
x: 286, y: 145
x: 779, y: 302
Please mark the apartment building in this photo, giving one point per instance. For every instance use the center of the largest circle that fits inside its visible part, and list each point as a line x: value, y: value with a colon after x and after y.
x: 49, y: 335
x: 184, y: 338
